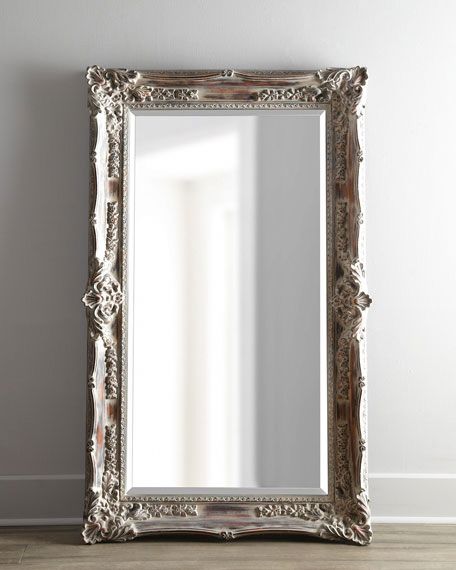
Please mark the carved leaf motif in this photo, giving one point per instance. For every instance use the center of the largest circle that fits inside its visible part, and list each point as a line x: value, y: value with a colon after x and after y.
x: 357, y: 529
x: 350, y: 301
x: 306, y: 511
x: 103, y: 298
x: 173, y: 94
x: 349, y: 82
x: 344, y: 88
x: 104, y: 523
x: 145, y: 93
x: 110, y: 89
x: 109, y: 519
x: 309, y: 93
x: 107, y: 85
x: 354, y: 527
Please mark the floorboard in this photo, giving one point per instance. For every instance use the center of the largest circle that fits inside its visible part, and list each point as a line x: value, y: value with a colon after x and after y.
x: 395, y: 547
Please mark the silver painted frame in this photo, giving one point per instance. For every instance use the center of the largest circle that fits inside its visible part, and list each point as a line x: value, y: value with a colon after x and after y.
x: 112, y: 515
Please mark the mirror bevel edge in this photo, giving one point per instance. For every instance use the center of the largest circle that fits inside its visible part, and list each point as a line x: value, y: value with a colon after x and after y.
x: 326, y: 495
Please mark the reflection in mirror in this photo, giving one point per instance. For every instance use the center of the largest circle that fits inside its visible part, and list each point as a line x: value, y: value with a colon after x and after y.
x: 227, y: 390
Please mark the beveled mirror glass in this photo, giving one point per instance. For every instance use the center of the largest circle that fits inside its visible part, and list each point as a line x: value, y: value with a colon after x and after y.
x: 226, y: 304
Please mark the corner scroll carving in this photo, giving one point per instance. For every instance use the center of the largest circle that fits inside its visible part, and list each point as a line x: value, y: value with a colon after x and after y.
x: 342, y: 87
x: 348, y: 82
x: 353, y: 527
x: 106, y: 516
x: 110, y: 89
x: 109, y: 519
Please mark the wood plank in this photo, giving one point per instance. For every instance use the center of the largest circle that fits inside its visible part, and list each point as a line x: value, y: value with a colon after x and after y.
x: 247, y: 551
x: 11, y: 553
x: 412, y: 533
x: 40, y: 535
x: 237, y: 565
x: 395, y: 547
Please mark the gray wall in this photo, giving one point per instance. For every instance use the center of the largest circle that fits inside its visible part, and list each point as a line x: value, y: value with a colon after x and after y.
x: 409, y: 48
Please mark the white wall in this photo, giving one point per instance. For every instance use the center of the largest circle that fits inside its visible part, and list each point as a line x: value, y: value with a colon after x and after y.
x: 408, y: 46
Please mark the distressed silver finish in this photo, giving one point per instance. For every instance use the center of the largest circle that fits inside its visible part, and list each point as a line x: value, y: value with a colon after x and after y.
x: 111, y: 515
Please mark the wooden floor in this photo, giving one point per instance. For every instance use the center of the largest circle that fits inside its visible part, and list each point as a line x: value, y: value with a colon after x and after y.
x: 395, y: 547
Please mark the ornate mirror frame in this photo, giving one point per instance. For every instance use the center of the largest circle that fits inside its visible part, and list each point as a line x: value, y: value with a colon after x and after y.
x: 109, y: 514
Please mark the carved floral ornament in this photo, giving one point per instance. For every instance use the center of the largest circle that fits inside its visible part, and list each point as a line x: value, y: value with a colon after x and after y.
x: 111, y: 516
x: 112, y: 87
x: 110, y: 519
x: 350, y: 301
x: 347, y: 83
x: 331, y: 526
x: 103, y: 298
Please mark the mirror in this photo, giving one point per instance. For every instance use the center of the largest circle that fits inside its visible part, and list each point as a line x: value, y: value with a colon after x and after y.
x: 227, y: 303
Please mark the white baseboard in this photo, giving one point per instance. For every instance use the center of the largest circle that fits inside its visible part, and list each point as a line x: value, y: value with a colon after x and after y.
x: 36, y: 499
x: 410, y: 497
x: 414, y: 520
x: 412, y: 476
x: 57, y: 477
x: 421, y: 498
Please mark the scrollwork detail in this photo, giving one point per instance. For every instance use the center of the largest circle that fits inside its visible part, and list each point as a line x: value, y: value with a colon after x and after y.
x: 346, y: 514
x: 349, y: 301
x: 111, y: 89
x: 106, y: 518
x: 308, y: 94
x: 227, y: 534
x: 305, y: 511
x: 347, y: 82
x: 354, y: 527
x: 344, y: 89
x: 103, y: 299
x: 109, y: 519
